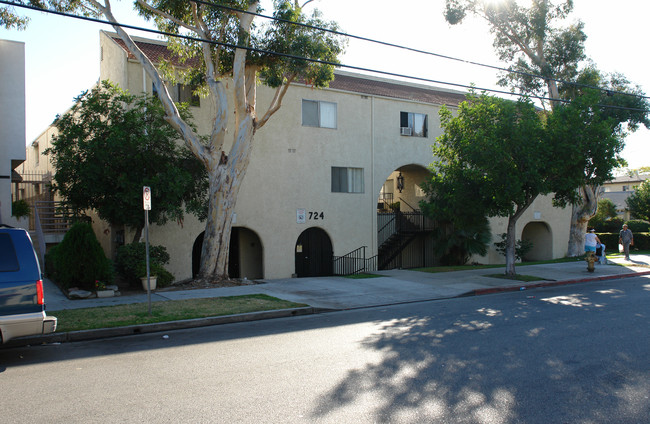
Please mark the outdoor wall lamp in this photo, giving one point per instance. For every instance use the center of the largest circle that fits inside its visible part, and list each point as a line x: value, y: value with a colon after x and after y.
x: 400, y: 182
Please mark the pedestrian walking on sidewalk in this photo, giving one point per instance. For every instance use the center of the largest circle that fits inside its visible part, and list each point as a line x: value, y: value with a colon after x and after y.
x: 626, y: 238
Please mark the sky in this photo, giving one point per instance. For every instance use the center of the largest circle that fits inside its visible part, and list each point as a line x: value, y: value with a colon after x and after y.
x: 62, y: 54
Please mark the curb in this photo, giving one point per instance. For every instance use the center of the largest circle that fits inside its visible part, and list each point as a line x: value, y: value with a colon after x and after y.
x: 554, y: 283
x: 101, y: 333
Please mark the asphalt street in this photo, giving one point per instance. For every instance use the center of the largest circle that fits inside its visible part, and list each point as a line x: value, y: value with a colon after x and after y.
x: 574, y: 353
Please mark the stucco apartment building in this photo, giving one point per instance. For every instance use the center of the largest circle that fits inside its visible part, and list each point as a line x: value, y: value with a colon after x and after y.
x: 12, y: 123
x: 321, y: 174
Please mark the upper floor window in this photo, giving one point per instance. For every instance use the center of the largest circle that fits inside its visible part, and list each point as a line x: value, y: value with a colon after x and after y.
x: 318, y: 114
x: 347, y: 180
x: 413, y: 124
x: 185, y: 94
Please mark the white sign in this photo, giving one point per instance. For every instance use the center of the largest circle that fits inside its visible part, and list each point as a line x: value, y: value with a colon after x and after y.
x: 301, y: 216
x: 146, y: 198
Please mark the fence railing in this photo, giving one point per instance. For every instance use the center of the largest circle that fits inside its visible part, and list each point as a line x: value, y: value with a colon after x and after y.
x: 53, y: 217
x: 354, y: 262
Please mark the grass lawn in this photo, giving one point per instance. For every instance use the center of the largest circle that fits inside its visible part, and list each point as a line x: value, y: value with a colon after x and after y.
x: 172, y: 310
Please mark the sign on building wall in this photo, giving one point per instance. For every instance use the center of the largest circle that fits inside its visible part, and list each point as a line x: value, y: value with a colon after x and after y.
x: 301, y: 216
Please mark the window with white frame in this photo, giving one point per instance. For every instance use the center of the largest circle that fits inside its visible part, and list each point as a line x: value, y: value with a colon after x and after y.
x: 413, y: 124
x: 347, y: 180
x: 318, y: 114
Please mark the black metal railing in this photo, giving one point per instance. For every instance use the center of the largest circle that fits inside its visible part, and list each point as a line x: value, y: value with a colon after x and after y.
x: 354, y: 262
x: 397, y: 232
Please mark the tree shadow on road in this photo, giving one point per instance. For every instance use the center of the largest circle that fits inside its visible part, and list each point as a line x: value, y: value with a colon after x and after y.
x: 539, y: 360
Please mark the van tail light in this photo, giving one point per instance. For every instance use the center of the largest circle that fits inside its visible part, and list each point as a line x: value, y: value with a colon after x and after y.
x: 39, y: 292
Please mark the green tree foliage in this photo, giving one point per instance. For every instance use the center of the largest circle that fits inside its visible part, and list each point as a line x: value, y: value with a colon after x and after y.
x: 79, y: 260
x: 111, y: 144
x: 530, y: 39
x: 639, y: 202
x: 606, y: 211
x: 9, y: 18
x: 494, y: 158
x: 542, y: 47
x: 521, y: 247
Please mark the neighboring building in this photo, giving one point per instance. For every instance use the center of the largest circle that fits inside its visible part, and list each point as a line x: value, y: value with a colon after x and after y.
x: 12, y: 123
x: 620, y: 188
x: 321, y: 175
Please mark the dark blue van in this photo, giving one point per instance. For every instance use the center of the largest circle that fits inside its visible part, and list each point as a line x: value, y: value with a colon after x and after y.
x: 22, y: 302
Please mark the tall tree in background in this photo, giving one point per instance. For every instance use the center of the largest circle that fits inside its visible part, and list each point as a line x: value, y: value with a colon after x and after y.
x: 228, y: 51
x: 110, y: 144
x: 10, y: 19
x: 541, y: 52
x: 639, y: 202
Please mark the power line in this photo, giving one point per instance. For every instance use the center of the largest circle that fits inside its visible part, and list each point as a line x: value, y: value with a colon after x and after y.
x: 425, y: 52
x: 290, y: 56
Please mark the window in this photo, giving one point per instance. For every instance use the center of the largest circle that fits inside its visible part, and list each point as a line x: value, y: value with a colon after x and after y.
x: 318, y: 114
x: 413, y: 124
x: 347, y: 180
x: 185, y: 95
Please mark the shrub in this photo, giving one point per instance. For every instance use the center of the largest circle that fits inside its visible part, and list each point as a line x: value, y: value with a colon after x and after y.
x: 612, y: 225
x: 79, y: 260
x: 637, y: 226
x: 521, y: 247
x: 130, y: 263
x: 20, y: 209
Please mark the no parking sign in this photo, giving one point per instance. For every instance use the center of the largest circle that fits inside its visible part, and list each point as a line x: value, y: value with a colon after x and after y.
x: 146, y: 198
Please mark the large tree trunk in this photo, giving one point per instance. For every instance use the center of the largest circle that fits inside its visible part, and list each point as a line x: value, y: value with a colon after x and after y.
x: 580, y: 216
x: 225, y: 183
x: 511, y: 241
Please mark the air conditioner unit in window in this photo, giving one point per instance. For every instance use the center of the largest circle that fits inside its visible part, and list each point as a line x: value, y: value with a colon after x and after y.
x: 406, y: 131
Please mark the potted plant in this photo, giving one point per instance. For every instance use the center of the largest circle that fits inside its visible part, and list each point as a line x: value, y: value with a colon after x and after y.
x: 153, y: 274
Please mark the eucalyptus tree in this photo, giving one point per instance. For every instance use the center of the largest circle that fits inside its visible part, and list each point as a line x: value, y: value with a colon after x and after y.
x: 543, y: 49
x: 228, y: 48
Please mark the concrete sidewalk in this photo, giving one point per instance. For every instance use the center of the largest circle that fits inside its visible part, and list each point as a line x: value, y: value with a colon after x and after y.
x: 339, y: 293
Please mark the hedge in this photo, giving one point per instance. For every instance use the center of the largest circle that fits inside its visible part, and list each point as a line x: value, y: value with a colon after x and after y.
x: 641, y: 241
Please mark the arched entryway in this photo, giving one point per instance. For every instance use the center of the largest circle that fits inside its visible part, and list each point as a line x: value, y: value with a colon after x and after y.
x: 538, y: 233
x: 314, y: 254
x: 246, y: 254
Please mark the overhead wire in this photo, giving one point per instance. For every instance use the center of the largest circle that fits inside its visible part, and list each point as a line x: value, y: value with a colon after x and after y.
x: 290, y: 56
x: 412, y: 49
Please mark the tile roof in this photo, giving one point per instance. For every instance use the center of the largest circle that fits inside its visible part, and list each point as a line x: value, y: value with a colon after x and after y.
x: 373, y: 87
x: 348, y: 82
x: 154, y: 51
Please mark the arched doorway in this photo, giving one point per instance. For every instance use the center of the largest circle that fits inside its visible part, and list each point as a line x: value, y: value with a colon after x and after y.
x: 539, y: 233
x: 245, y: 258
x: 314, y: 254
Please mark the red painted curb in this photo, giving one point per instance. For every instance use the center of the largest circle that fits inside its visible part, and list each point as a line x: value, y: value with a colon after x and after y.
x: 554, y: 283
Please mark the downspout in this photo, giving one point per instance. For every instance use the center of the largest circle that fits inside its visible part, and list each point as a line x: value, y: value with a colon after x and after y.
x: 373, y: 205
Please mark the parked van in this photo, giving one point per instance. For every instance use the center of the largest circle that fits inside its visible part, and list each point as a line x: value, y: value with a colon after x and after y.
x: 22, y: 301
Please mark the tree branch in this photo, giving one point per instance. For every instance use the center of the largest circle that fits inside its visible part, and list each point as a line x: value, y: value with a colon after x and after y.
x: 276, y: 103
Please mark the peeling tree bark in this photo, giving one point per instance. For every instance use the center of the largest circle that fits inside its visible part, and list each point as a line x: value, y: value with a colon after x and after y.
x: 580, y: 216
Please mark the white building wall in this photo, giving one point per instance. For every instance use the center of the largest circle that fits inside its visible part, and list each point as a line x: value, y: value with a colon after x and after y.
x: 12, y: 120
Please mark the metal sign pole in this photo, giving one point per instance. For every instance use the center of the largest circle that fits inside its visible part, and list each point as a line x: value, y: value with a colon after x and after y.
x: 146, y: 238
x: 146, y: 197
